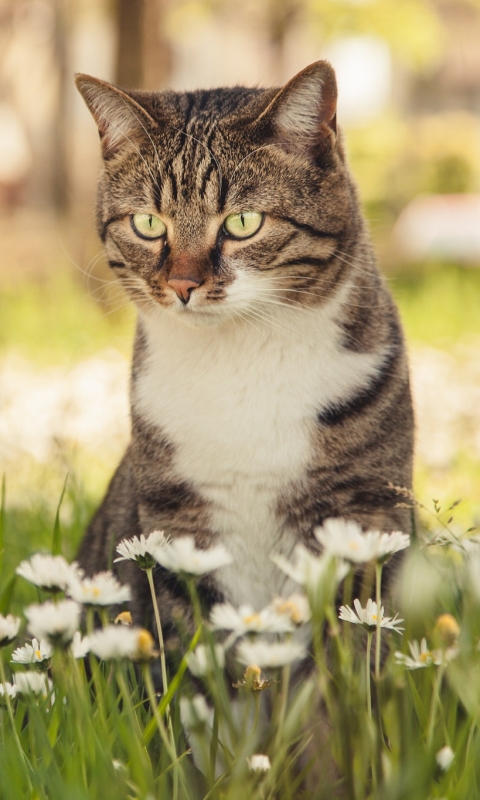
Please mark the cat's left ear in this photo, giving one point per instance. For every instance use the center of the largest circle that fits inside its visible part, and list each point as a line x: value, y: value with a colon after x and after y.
x: 121, y: 121
x: 303, y: 113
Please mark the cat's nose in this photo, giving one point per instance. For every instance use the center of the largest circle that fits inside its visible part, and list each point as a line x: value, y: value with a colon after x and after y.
x: 183, y: 287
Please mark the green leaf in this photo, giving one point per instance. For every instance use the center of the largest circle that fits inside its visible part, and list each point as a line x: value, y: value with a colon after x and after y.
x: 57, y: 533
x: 6, y: 595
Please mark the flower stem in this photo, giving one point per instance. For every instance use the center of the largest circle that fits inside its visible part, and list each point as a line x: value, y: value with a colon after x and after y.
x: 169, y: 743
x: 434, y: 703
x: 163, y: 665
x: 367, y: 673
x: 378, y: 641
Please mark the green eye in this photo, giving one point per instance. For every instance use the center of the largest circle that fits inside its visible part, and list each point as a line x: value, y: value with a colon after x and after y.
x: 244, y: 224
x: 147, y: 226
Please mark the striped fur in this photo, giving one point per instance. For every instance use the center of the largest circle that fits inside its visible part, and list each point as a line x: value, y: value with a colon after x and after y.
x: 278, y: 395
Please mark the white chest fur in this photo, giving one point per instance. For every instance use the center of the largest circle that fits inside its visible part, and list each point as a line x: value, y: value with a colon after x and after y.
x: 239, y: 403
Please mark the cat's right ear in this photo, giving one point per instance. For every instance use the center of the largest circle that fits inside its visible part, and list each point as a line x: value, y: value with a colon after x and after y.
x: 121, y: 121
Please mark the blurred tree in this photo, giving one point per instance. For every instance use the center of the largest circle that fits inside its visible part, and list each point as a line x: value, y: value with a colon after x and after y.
x: 143, y: 50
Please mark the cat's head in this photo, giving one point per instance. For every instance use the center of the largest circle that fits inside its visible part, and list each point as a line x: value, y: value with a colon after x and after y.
x: 223, y: 203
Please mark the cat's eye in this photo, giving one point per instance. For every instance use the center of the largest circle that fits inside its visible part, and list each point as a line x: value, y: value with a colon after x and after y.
x: 148, y: 226
x: 243, y: 224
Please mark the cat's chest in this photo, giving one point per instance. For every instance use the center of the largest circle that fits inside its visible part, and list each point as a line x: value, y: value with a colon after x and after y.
x: 239, y: 408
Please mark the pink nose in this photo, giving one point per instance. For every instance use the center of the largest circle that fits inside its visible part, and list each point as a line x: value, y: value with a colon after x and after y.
x: 183, y: 287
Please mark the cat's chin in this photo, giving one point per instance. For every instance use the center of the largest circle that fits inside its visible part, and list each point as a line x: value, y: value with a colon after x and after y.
x: 198, y: 317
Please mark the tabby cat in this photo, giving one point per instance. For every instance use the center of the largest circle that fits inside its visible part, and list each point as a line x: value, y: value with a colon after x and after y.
x: 270, y: 385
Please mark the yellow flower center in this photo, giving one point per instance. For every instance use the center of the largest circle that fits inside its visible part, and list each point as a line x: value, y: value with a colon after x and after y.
x: 425, y: 657
x: 252, y: 618
x: 145, y: 643
x: 38, y: 654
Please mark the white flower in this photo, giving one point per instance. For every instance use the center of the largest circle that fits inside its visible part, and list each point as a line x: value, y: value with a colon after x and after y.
x: 34, y: 653
x: 444, y: 757
x: 10, y: 689
x: 33, y: 683
x: 51, y: 573
x: 224, y: 616
x: 101, y: 590
x: 9, y: 627
x: 55, y: 622
x: 270, y: 654
x: 204, y: 659
x: 344, y: 539
x: 319, y: 574
x: 142, y: 550
x: 421, y: 656
x: 115, y: 642
x: 295, y: 607
x: 194, y: 712
x: 182, y: 555
x: 259, y: 763
x: 368, y: 616
x: 80, y: 646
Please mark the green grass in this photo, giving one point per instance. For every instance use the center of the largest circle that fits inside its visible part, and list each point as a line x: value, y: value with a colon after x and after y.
x: 439, y: 304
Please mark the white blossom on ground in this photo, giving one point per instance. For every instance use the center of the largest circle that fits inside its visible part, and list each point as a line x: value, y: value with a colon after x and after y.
x: 445, y: 757
x: 368, y: 616
x: 182, y: 555
x: 295, y: 607
x: 225, y: 617
x: 194, y: 711
x: 80, y: 645
x: 10, y: 689
x: 259, y: 763
x: 103, y: 589
x: 34, y: 653
x: 310, y: 570
x: 270, y: 654
x: 35, y: 683
x: 9, y: 627
x: 143, y: 549
x: 54, y: 622
x: 421, y: 656
x: 204, y: 659
x: 344, y: 539
x: 118, y: 641
x: 51, y: 573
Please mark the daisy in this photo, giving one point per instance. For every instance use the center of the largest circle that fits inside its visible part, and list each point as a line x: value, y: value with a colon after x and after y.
x: 142, y: 550
x: 252, y: 680
x: 244, y: 620
x: 55, y: 622
x: 368, y: 616
x: 421, y: 656
x: 80, y: 646
x: 33, y: 683
x: 101, y: 590
x: 204, y: 659
x: 296, y: 608
x: 118, y: 641
x: 182, y: 555
x: 345, y: 539
x: 445, y: 757
x: 270, y: 654
x: 34, y: 653
x: 8, y: 689
x: 310, y: 570
x: 51, y: 573
x: 259, y: 763
x: 9, y: 627
x: 194, y: 712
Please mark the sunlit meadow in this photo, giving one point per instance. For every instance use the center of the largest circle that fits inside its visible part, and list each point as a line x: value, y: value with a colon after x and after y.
x: 82, y: 711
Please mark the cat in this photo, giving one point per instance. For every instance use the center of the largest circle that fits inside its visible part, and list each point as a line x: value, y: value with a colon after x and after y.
x: 270, y: 384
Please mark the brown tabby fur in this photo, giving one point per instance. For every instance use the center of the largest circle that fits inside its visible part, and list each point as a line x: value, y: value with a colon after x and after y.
x: 193, y: 158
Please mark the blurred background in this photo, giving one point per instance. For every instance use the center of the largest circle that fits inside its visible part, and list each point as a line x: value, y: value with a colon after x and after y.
x: 409, y: 102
